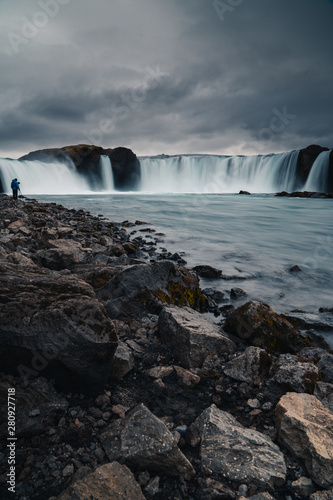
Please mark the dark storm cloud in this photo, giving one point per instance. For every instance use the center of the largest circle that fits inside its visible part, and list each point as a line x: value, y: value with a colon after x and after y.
x: 190, y: 76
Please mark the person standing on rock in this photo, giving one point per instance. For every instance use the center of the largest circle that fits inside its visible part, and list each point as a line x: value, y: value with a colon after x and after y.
x: 15, y: 186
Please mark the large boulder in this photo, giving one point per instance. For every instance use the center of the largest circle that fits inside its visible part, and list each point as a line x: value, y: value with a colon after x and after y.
x: 113, y: 481
x: 191, y: 336
x: 257, y: 324
x: 54, y: 326
x: 143, y: 441
x: 293, y: 374
x: 146, y: 288
x: 305, y: 428
x: 238, y: 454
x: 86, y: 158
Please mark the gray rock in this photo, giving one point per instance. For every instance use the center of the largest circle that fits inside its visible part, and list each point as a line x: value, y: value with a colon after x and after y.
x: 303, y: 487
x: 324, y: 392
x: 322, y: 495
x: 294, y: 375
x: 210, y: 489
x: 153, y: 487
x: 160, y: 371
x: 252, y: 366
x: 305, y: 428
x: 68, y: 470
x: 122, y: 362
x: 54, y: 326
x: 259, y: 325
x: 108, y: 481
x: 325, y: 366
x: 236, y: 453
x: 191, y: 336
x: 262, y: 496
x: 145, y: 288
x: 237, y: 293
x: 63, y: 254
x: 142, y: 440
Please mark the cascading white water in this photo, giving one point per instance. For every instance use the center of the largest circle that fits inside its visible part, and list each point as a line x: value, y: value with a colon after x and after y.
x: 317, y: 180
x: 219, y: 174
x: 42, y: 178
x: 107, y: 174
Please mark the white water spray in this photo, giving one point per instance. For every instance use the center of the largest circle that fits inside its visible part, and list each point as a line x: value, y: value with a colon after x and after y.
x: 317, y: 180
x: 42, y: 178
x: 219, y: 174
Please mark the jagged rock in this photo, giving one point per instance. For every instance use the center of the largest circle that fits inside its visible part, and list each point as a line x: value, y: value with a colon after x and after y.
x: 145, y: 288
x: 112, y: 480
x: 303, y: 487
x: 215, y: 295
x: 238, y: 454
x: 252, y: 366
x: 324, y: 392
x: 63, y: 254
x: 260, y: 326
x: 191, y: 336
x: 237, y: 293
x: 293, y: 374
x: 243, y: 192
x: 305, y: 428
x: 143, y: 441
x: 208, y: 272
x: 188, y: 378
x: 39, y: 408
x: 122, y: 362
x: 325, y: 366
x: 53, y: 326
x: 306, y: 159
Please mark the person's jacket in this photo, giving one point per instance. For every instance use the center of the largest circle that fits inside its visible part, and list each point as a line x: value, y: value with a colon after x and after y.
x: 14, y: 184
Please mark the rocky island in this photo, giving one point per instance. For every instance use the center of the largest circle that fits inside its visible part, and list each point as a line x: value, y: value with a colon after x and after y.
x: 124, y: 389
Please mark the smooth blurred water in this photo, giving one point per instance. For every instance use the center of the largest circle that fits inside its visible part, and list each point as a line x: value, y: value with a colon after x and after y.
x: 258, y: 237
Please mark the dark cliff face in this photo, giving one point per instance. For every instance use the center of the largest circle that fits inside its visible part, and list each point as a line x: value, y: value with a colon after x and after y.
x: 306, y: 159
x: 86, y: 158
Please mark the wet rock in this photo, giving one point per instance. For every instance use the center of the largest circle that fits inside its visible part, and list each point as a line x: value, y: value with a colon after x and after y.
x: 295, y: 269
x: 122, y: 362
x: 259, y: 325
x: 142, y: 289
x: 303, y: 487
x: 226, y: 310
x: 293, y: 374
x: 108, y: 481
x: 237, y: 293
x: 252, y: 366
x: 326, y: 309
x: 207, y: 272
x: 305, y: 428
x: 191, y: 336
x: 243, y: 192
x: 324, y: 392
x: 54, y: 326
x: 322, y: 495
x: 215, y: 295
x: 243, y: 455
x: 143, y: 441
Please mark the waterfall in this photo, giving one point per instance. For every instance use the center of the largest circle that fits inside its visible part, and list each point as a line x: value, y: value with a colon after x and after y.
x: 42, y: 178
x: 219, y: 174
x: 317, y: 180
x: 107, y: 174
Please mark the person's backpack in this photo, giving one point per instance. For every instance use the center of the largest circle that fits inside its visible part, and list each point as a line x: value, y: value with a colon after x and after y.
x: 13, y: 185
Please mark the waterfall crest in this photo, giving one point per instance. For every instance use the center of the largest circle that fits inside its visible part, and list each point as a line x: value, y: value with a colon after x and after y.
x: 219, y: 174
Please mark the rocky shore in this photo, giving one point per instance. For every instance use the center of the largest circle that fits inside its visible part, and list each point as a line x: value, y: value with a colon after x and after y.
x: 124, y: 389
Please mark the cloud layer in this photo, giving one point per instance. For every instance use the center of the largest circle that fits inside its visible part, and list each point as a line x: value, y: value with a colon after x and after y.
x: 220, y: 76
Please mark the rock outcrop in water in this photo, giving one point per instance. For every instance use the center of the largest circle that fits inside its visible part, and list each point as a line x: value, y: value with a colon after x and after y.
x: 125, y: 165
x: 306, y: 159
x: 125, y: 390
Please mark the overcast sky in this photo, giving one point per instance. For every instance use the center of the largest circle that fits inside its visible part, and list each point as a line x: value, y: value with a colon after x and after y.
x: 166, y: 76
